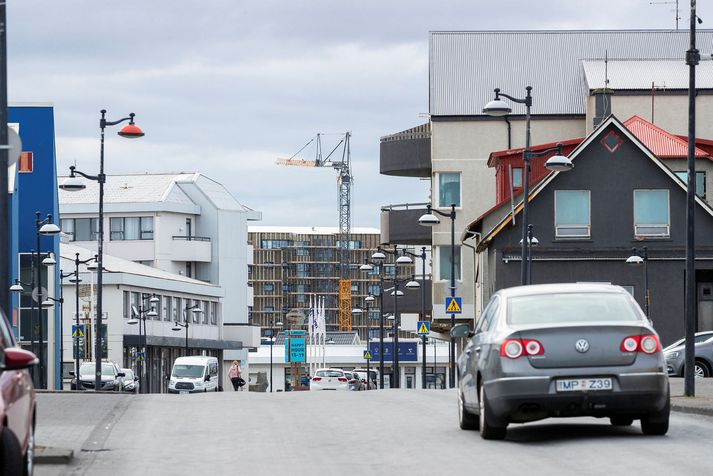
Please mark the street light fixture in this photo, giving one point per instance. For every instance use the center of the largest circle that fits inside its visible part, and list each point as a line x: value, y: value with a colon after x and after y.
x: 358, y: 310
x: 368, y: 266
x: 195, y: 310
x: 422, y: 255
x: 429, y: 219
x: 137, y: 316
x: 73, y: 183
x: 532, y: 241
x: 638, y: 258
x: 557, y: 163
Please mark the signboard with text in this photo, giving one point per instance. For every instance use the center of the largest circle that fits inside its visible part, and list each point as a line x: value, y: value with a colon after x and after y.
x: 408, y: 351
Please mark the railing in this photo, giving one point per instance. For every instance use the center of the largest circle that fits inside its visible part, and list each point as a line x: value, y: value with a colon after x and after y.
x: 191, y: 238
x: 419, y: 132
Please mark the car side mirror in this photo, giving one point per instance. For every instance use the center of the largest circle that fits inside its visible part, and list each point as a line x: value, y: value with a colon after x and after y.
x: 136, y: 379
x: 71, y: 372
x: 18, y: 359
x: 121, y: 374
x: 207, y: 378
x: 461, y: 330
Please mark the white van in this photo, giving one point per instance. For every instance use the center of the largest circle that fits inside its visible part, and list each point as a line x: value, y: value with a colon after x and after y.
x: 193, y: 375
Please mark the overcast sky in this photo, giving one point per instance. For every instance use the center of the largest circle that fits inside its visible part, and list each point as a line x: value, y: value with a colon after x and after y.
x: 224, y: 87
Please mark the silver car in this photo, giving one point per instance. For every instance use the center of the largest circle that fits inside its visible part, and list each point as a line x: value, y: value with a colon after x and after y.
x: 561, y: 350
x: 675, y: 355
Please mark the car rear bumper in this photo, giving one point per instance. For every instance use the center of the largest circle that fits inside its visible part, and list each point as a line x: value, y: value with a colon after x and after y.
x: 522, y: 399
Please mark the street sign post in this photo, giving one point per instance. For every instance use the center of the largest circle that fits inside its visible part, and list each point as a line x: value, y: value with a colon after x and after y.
x: 367, y: 355
x: 78, y: 331
x: 424, y: 327
x: 454, y: 305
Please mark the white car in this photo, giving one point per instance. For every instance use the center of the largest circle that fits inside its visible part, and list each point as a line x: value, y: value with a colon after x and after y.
x: 329, y: 379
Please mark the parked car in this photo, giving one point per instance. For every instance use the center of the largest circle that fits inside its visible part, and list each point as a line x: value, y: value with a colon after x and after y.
x: 194, y: 374
x: 329, y: 379
x: 131, y: 381
x: 354, y: 381
x: 561, y: 350
x: 675, y: 355
x: 371, y: 382
x: 17, y: 406
x: 112, y: 378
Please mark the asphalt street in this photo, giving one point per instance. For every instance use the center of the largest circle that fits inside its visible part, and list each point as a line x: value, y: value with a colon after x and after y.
x: 332, y: 433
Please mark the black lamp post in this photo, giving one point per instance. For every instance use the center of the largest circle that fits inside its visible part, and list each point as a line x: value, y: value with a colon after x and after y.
x: 137, y: 317
x: 76, y: 282
x: 638, y: 258
x: 422, y: 255
x: 410, y: 283
x: 43, y: 227
x: 531, y: 242
x: 72, y: 183
x: 368, y: 266
x: 272, y: 343
x: 558, y: 163
x: 429, y: 219
x: 195, y: 309
x: 359, y: 310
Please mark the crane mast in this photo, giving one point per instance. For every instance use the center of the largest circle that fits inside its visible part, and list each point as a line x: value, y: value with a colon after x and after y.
x: 344, y: 198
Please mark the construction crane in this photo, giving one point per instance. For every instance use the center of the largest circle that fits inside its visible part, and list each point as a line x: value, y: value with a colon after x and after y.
x: 344, y: 191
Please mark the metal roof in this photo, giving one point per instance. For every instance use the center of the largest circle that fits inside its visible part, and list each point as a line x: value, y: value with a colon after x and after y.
x: 465, y: 67
x: 663, y: 144
x: 641, y: 74
x: 311, y: 230
x: 140, y: 188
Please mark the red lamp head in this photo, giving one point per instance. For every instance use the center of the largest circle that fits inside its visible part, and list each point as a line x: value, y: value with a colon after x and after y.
x: 131, y: 130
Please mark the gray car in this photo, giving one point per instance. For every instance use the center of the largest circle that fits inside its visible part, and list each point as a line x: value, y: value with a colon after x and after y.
x: 561, y: 350
x: 675, y: 355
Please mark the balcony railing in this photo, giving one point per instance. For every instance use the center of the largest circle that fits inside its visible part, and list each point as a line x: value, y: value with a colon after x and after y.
x: 407, y: 153
x: 191, y: 238
x: 191, y: 248
x: 399, y: 224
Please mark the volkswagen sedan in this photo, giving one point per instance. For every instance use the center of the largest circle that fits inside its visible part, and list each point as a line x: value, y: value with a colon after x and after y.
x: 561, y: 350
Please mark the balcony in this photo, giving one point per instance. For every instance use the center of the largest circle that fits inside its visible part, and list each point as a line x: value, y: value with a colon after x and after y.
x: 399, y: 225
x: 191, y: 248
x: 407, y: 153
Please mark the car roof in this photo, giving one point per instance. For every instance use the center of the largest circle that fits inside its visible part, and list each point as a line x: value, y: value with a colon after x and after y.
x: 538, y: 289
x: 197, y: 359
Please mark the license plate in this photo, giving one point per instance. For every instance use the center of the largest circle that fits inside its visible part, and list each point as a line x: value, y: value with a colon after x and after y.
x: 183, y: 392
x: 584, y: 384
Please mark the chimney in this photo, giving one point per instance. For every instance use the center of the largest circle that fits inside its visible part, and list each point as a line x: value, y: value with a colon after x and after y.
x: 602, y: 105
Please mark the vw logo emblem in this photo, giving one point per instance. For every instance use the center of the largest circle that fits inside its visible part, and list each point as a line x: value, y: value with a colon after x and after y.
x: 582, y: 346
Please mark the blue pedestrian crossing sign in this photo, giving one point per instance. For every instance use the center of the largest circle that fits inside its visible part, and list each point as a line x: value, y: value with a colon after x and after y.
x: 454, y: 305
x: 424, y: 327
x: 367, y: 355
x: 78, y: 331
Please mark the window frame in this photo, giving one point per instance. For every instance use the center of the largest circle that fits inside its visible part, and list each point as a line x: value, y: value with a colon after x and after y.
x: 459, y: 268
x: 667, y: 226
x: 684, y: 179
x: 460, y: 188
x: 587, y: 228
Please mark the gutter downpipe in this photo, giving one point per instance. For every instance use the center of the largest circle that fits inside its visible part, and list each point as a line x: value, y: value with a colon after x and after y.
x: 476, y: 263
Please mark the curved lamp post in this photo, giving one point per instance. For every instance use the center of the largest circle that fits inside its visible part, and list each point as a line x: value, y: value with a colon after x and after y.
x: 73, y: 183
x: 359, y: 310
x: 137, y: 316
x: 422, y: 255
x: 43, y: 227
x: 638, y: 258
x: 558, y: 163
x: 532, y: 242
x: 195, y: 310
x: 367, y: 267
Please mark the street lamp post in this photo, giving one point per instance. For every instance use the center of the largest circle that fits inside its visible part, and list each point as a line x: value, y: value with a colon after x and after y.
x: 76, y: 280
x: 72, y: 183
x: 411, y: 283
x: 638, y: 258
x: 532, y: 241
x: 137, y: 317
x: 429, y: 219
x: 195, y: 310
x: 368, y: 266
x: 43, y: 227
x: 359, y: 310
x: 422, y: 255
x: 558, y: 163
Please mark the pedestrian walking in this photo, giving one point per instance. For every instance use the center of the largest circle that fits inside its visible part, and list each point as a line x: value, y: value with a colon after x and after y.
x: 234, y: 375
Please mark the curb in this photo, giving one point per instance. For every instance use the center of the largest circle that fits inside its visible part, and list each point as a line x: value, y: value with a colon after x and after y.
x: 52, y: 455
x: 694, y: 410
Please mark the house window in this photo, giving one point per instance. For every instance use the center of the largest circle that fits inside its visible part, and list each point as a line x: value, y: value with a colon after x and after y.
x: 196, y: 315
x: 389, y: 270
x: 374, y: 289
x: 134, y: 301
x: 374, y: 271
x: 214, y: 312
x: 26, y: 162
x: 572, y: 214
x: 444, y: 263
x: 206, y: 310
x: 127, y: 305
x: 268, y: 309
x: 700, y: 182
x: 177, y: 311
x: 157, y: 307
x: 517, y: 177
x: 651, y: 213
x: 67, y: 225
x: 448, y: 189
x: 82, y: 229
x: 269, y: 287
x: 166, y: 310
x: 131, y: 228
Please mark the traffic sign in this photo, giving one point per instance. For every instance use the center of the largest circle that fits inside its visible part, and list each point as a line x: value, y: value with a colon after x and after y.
x: 424, y: 327
x: 454, y: 305
x: 140, y: 356
x: 367, y: 355
x: 78, y: 331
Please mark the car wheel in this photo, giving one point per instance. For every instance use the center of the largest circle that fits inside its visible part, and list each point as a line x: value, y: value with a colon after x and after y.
x: 657, y: 423
x: 701, y: 369
x: 466, y: 420
x: 29, y: 458
x: 621, y: 420
x: 488, y: 429
x: 10, y: 454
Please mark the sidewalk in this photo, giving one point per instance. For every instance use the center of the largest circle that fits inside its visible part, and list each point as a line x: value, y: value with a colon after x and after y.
x: 701, y: 404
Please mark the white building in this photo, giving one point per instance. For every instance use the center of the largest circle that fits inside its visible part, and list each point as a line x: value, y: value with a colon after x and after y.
x: 184, y: 224
x: 131, y: 285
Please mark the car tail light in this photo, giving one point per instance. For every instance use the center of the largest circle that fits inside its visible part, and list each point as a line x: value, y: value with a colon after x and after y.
x: 514, y: 348
x: 342, y: 379
x: 316, y: 379
x: 352, y: 382
x: 648, y: 344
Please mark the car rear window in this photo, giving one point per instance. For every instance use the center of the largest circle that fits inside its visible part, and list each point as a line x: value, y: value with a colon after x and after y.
x: 329, y: 373
x: 570, y: 308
